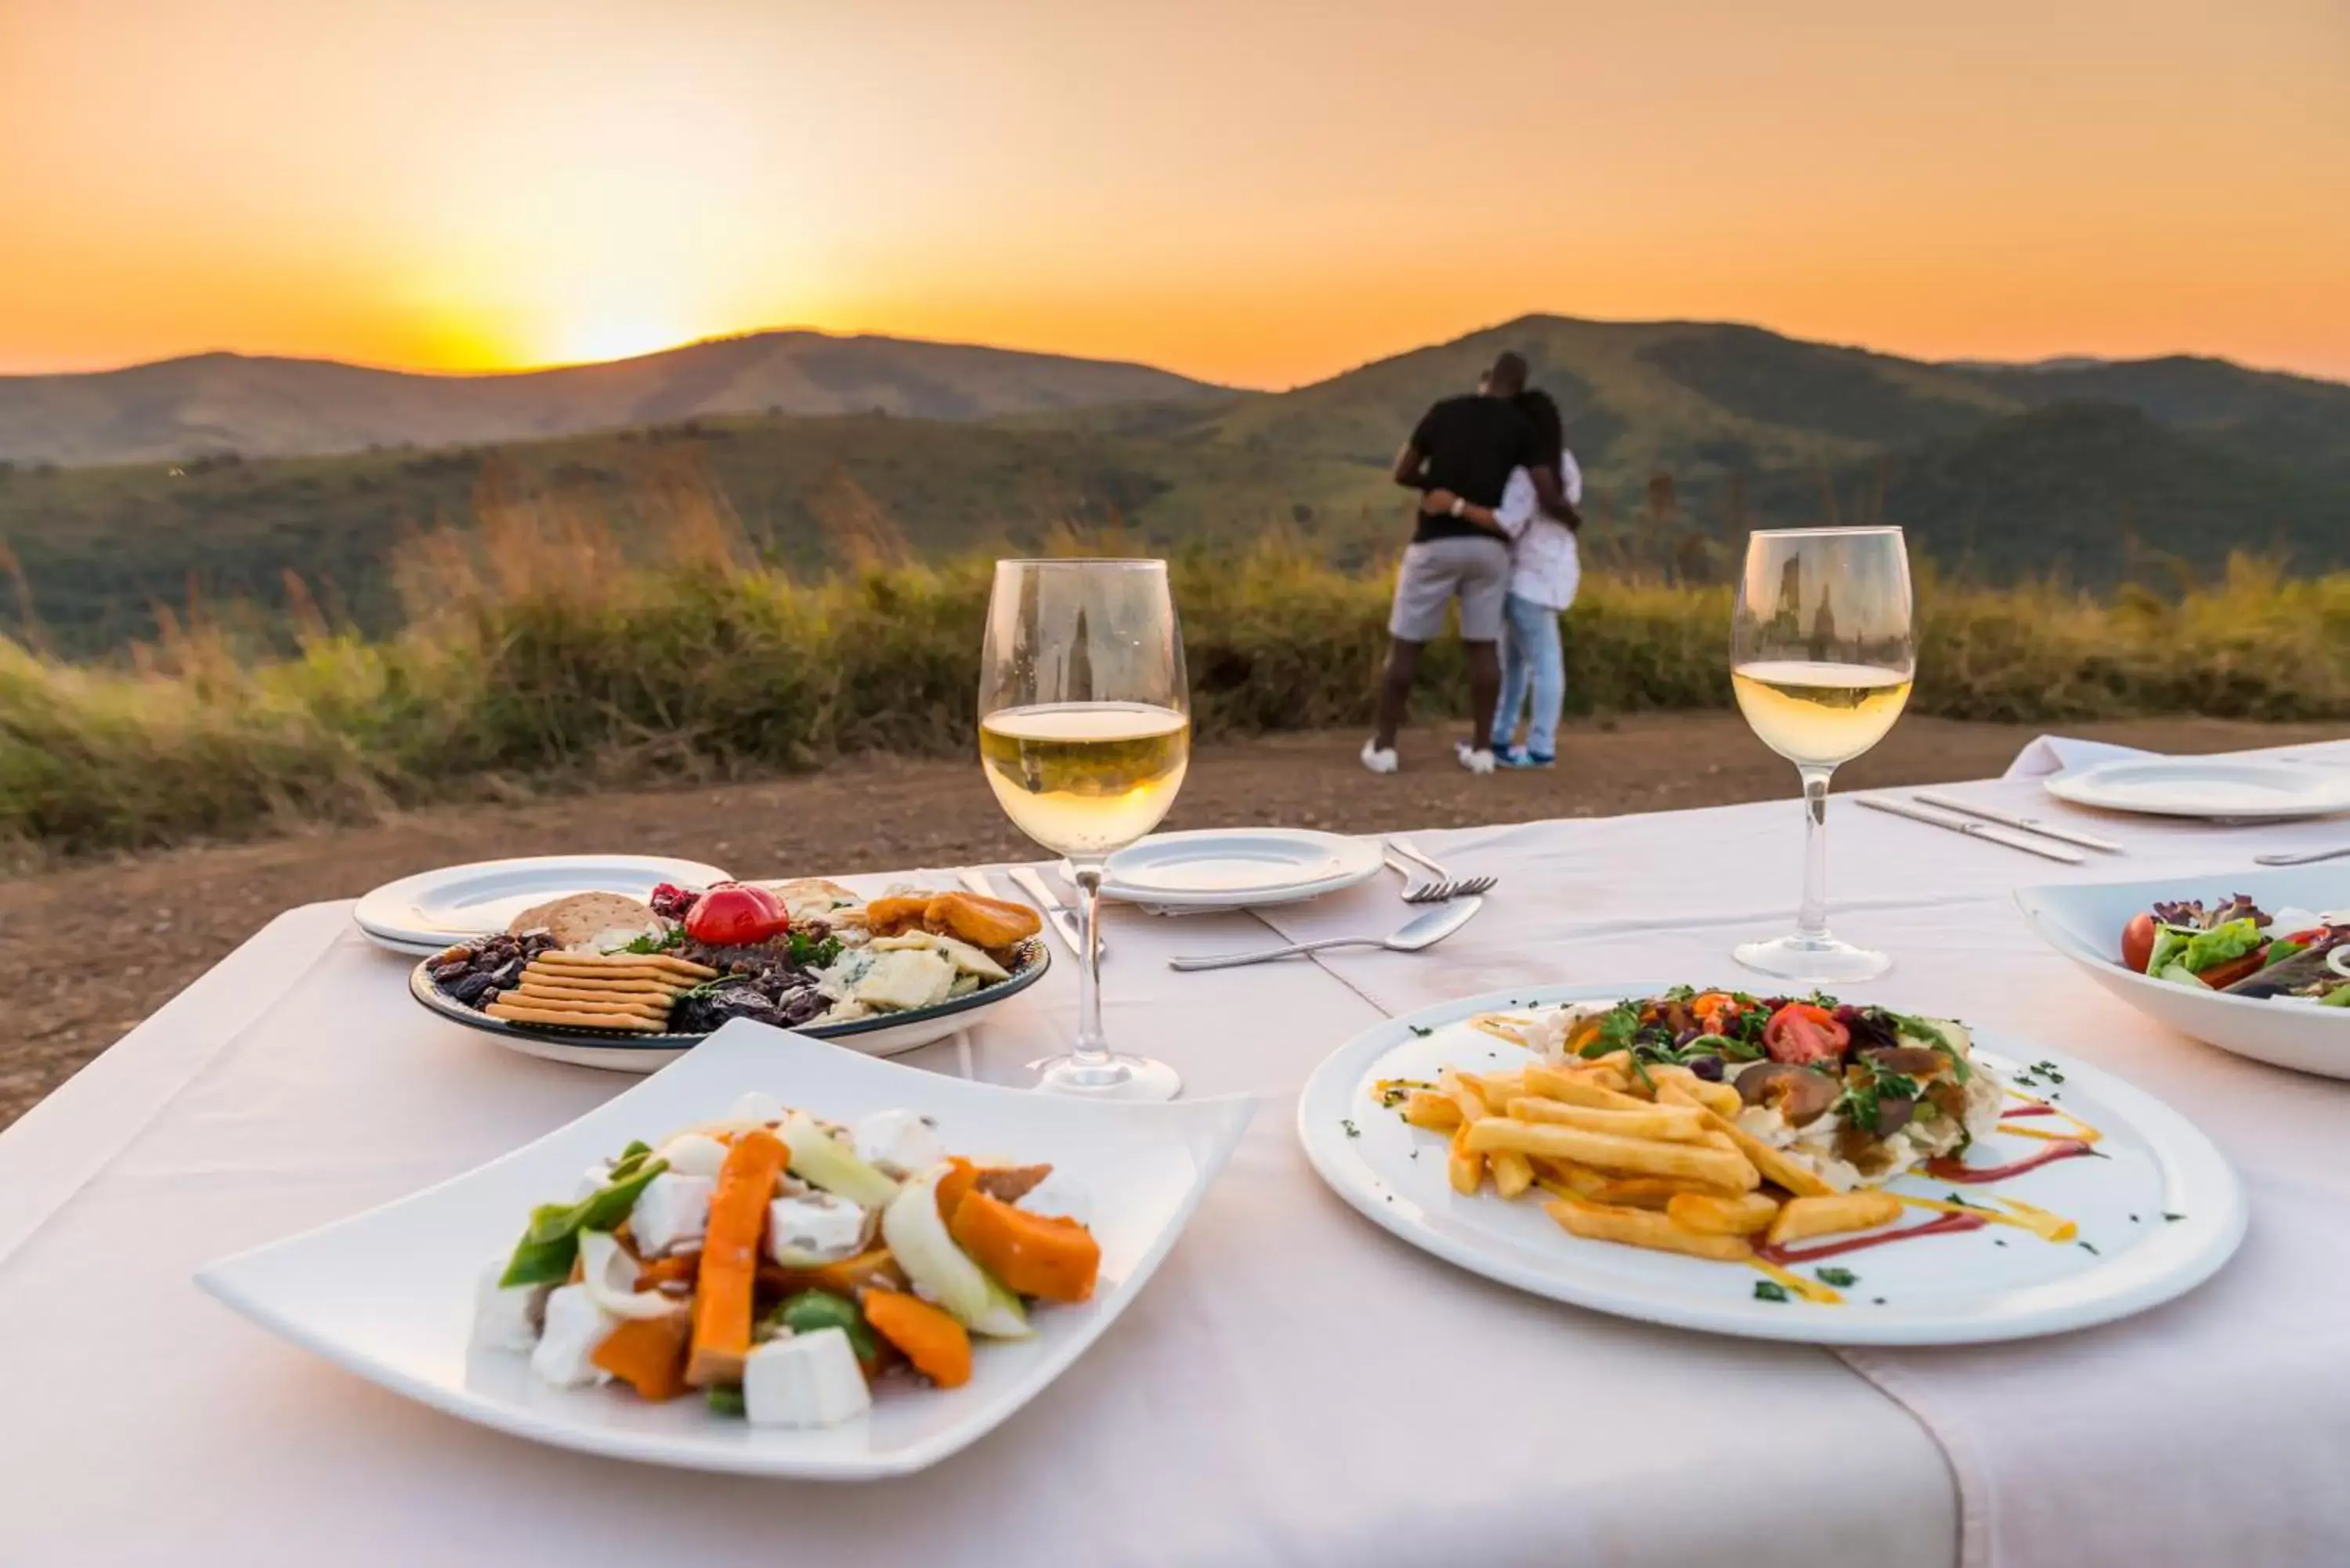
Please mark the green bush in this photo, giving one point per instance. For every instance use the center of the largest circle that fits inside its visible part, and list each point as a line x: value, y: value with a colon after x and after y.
x: 566, y: 679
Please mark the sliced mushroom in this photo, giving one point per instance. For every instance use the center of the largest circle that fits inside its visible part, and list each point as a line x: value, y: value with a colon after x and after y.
x: 1800, y: 1093
x: 1909, y: 1061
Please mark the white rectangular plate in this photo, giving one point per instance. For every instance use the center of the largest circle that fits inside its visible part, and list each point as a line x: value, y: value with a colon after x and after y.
x: 2159, y: 1215
x: 389, y: 1295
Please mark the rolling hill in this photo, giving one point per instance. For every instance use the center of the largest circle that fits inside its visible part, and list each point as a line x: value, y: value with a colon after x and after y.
x: 1689, y: 433
x: 261, y: 407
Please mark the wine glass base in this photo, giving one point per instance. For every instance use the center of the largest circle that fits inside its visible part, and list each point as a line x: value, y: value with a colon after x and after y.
x: 1118, y: 1077
x: 1813, y: 960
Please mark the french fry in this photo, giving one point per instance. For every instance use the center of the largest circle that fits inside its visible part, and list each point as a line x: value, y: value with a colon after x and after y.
x: 1426, y: 1108
x: 1496, y: 1089
x: 1675, y: 1124
x: 1722, y: 1099
x: 1513, y: 1172
x: 1639, y: 1156
x: 1564, y: 1179
x: 1654, y: 1192
x: 1457, y: 1088
x: 1803, y: 1218
x: 1741, y: 1215
x: 1765, y: 1159
x: 1634, y: 1228
x: 1575, y: 1087
x: 1464, y: 1167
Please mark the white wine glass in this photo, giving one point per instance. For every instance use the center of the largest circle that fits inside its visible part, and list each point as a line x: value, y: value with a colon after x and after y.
x: 1085, y: 731
x: 1821, y: 659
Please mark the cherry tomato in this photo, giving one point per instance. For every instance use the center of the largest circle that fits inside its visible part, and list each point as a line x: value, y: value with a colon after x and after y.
x: 1800, y: 1032
x: 736, y: 916
x: 2137, y: 942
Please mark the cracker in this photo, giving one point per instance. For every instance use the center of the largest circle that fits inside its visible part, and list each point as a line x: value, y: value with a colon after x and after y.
x: 651, y: 1006
x: 628, y: 963
x: 580, y: 916
x: 616, y: 1022
x: 634, y: 978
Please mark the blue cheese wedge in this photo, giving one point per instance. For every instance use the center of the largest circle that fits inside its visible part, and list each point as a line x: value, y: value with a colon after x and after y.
x: 904, y: 979
x: 967, y: 959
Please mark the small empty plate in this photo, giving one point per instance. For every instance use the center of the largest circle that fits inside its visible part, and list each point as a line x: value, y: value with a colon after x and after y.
x: 426, y: 912
x: 2207, y: 787
x: 1236, y: 867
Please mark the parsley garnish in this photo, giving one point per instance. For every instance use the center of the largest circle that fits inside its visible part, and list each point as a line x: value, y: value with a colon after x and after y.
x: 671, y: 937
x: 1769, y: 1290
x: 1422, y: 1030
x: 2173, y: 1218
x: 811, y: 954
x: 2088, y: 1249
x: 1839, y: 1278
x: 1352, y: 1130
x: 1615, y: 1031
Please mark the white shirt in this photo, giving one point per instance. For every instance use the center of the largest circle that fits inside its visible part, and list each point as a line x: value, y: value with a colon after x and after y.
x: 1545, y: 567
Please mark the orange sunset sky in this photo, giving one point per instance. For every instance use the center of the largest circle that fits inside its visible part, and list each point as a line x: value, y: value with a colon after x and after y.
x: 1244, y: 189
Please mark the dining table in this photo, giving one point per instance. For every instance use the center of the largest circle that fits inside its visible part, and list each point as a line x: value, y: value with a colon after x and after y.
x: 1295, y: 1386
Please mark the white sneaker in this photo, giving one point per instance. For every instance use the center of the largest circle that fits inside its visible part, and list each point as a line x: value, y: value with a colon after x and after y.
x: 1475, y: 760
x: 1378, y: 759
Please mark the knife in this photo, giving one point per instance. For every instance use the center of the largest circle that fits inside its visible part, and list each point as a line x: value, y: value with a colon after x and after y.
x: 2028, y: 823
x: 1983, y: 830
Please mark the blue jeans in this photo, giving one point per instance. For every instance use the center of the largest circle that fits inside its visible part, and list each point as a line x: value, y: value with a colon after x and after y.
x: 1531, y: 656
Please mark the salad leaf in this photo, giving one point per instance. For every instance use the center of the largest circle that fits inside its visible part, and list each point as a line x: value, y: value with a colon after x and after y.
x: 1927, y: 1034
x: 669, y: 937
x: 545, y: 1254
x: 811, y: 953
x: 2168, y: 943
x: 2221, y: 944
x: 1615, y: 1031
x: 2191, y: 914
x: 1865, y: 1086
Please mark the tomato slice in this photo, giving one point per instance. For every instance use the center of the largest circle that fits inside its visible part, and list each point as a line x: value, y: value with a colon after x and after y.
x: 1802, y: 1031
x: 2221, y: 976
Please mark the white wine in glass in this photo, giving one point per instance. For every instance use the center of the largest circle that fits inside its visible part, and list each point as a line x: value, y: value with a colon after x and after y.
x: 1085, y: 731
x: 1821, y: 660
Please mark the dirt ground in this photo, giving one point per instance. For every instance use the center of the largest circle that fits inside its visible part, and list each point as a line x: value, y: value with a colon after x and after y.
x: 160, y: 920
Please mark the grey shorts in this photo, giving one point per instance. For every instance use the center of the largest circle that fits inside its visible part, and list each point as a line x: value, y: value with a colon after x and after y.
x: 1474, y: 571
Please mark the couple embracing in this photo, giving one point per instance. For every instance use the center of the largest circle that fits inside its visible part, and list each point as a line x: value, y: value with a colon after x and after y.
x: 1496, y: 531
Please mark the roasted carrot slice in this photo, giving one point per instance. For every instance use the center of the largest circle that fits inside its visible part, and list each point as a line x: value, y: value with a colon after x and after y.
x: 648, y: 1354
x: 954, y: 1185
x: 933, y: 1342
x: 730, y: 1258
x: 1031, y: 1254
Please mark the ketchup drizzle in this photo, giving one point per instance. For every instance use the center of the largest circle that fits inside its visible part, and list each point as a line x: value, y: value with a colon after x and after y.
x: 1940, y: 1225
x: 1945, y: 1168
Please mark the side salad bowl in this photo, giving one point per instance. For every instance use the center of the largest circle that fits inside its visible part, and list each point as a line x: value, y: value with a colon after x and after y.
x: 2085, y: 921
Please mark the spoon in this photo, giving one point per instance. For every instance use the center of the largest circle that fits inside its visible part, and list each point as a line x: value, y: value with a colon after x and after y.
x: 1424, y: 930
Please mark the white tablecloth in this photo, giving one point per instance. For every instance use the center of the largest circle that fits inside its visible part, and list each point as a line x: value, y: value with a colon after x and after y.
x: 1296, y: 1386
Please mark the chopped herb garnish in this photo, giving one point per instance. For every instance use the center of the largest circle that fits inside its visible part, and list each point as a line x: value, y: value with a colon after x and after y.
x: 1352, y: 1130
x: 1998, y: 1242
x: 1840, y: 1277
x: 1769, y: 1290
x: 2169, y: 1218
x: 660, y: 942
x: 2088, y: 1249
x: 1422, y: 1030
x: 1876, y: 1300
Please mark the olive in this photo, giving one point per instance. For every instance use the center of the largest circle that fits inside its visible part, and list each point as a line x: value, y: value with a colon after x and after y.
x: 1706, y: 1067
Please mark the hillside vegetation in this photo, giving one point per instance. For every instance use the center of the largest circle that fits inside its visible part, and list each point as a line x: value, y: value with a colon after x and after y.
x: 551, y: 652
x: 1690, y: 433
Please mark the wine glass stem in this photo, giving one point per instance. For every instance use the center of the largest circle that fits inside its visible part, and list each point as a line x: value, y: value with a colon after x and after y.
x: 1812, y: 916
x: 1093, y: 1046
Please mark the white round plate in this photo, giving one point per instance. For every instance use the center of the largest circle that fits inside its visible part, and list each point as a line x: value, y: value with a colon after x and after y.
x: 2207, y: 787
x: 426, y: 912
x: 2084, y: 921
x: 1235, y: 868
x: 2162, y: 1212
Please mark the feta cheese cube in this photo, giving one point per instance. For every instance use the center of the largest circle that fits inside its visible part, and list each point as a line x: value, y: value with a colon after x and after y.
x: 755, y: 1105
x: 506, y: 1317
x: 575, y: 1325
x: 805, y: 1380
x: 814, y: 1227
x: 671, y: 1209
x: 693, y: 1154
x: 899, y: 1143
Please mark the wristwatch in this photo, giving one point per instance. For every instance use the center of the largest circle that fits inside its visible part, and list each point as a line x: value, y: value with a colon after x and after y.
x: 1460, y: 505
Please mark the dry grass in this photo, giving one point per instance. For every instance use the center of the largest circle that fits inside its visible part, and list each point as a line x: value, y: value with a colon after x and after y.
x: 543, y: 654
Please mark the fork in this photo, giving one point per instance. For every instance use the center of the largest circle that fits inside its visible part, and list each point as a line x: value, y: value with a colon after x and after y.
x: 1443, y: 884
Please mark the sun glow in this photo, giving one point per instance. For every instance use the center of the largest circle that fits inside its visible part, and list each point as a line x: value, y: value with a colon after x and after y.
x: 617, y: 338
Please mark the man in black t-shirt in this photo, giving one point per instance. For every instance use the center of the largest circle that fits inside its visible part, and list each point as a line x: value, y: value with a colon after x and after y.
x: 1466, y: 445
